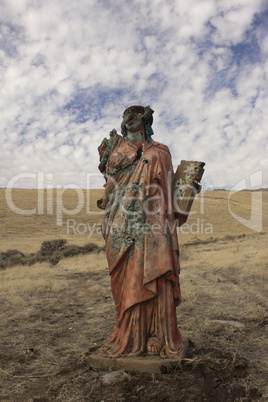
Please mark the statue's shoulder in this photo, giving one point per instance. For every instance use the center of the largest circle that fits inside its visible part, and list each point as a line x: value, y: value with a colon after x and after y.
x: 161, y: 147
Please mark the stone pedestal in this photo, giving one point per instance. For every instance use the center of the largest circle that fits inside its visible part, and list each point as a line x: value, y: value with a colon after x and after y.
x: 151, y: 364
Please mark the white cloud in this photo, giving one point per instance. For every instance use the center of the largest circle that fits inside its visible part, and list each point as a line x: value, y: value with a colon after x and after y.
x: 69, y: 68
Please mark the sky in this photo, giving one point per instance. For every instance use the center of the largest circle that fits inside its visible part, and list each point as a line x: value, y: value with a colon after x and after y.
x: 69, y: 68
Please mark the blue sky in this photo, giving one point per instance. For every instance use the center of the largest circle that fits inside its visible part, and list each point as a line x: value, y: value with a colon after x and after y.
x: 70, y: 68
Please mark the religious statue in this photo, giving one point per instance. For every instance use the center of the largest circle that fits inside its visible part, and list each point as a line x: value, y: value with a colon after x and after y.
x: 141, y: 239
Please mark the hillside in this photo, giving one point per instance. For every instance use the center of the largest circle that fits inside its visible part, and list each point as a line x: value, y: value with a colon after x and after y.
x: 54, y: 316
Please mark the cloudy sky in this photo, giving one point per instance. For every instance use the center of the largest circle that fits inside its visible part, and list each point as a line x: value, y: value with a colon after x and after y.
x: 69, y: 68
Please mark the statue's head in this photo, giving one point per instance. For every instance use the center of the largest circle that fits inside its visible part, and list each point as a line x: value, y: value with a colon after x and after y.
x: 137, y: 117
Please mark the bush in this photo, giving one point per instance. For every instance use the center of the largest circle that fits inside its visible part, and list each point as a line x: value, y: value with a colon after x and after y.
x: 52, y: 251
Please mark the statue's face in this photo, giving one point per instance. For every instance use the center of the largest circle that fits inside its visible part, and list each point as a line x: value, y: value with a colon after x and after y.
x: 132, y: 121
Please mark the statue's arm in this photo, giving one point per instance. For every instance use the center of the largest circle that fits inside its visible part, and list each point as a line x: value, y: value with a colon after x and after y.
x: 105, y: 150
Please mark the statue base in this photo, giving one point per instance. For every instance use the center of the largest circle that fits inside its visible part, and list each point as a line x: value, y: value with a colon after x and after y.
x: 151, y: 364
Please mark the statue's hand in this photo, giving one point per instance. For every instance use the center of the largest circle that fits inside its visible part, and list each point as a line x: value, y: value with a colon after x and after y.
x: 113, y: 132
x: 195, y: 186
x: 100, y: 204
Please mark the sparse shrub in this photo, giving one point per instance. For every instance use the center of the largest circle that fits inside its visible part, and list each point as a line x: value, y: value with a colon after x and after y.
x: 91, y: 247
x: 71, y: 251
x: 11, y: 254
x: 48, y: 247
x: 52, y: 251
x: 16, y: 259
x: 10, y: 258
x: 31, y: 259
x: 55, y: 258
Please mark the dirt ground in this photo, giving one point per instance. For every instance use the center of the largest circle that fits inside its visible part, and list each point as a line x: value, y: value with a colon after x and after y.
x: 53, y: 316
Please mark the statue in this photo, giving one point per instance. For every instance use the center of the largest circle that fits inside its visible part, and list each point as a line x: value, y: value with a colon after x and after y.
x: 141, y: 239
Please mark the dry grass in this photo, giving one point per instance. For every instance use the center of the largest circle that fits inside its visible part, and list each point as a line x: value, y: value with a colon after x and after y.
x: 52, y: 251
x: 26, y: 233
x: 52, y: 317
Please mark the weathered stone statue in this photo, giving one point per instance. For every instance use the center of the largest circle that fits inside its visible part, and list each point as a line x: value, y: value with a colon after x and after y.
x: 141, y: 239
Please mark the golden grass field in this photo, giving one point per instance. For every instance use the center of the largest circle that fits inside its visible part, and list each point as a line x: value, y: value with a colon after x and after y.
x: 54, y: 316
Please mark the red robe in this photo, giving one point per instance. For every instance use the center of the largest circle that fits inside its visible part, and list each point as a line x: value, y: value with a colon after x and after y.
x: 142, y: 247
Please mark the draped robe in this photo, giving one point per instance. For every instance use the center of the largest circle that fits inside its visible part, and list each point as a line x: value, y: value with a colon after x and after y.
x: 142, y: 247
